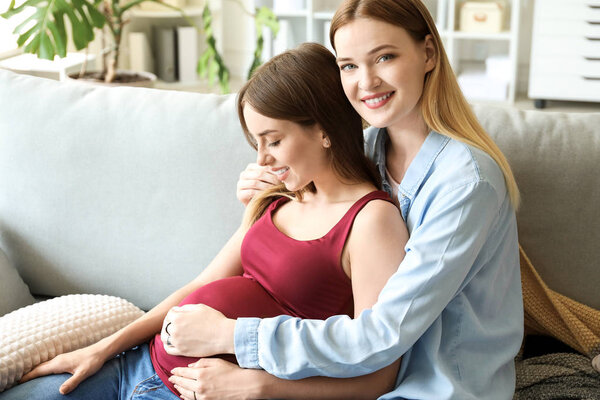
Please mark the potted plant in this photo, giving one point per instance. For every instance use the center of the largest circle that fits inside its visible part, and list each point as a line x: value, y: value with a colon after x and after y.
x: 44, y: 33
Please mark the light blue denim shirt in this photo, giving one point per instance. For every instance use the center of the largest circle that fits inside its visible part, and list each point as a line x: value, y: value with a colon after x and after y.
x: 453, y: 310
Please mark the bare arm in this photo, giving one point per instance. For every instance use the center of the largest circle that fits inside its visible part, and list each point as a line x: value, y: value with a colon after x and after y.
x: 227, y: 263
x: 85, y: 362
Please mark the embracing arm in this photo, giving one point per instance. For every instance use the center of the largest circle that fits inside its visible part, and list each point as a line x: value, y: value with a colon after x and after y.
x: 372, y: 253
x: 440, y: 253
x: 85, y: 362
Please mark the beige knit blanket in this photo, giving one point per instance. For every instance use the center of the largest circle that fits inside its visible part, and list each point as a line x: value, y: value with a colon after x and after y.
x: 550, y: 313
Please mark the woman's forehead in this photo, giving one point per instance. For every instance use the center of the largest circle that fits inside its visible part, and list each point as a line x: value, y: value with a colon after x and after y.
x: 363, y: 35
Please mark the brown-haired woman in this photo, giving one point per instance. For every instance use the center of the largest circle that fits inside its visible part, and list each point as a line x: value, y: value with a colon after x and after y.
x: 453, y: 309
x: 323, y: 242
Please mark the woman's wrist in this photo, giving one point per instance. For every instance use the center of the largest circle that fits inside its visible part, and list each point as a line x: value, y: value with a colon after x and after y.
x: 227, y: 330
x: 264, y: 385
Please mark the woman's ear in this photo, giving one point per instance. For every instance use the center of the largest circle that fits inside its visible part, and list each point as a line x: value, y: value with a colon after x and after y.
x: 325, y: 139
x: 430, y: 53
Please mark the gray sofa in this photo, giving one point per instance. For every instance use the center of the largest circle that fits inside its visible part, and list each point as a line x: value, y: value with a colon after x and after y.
x: 131, y: 192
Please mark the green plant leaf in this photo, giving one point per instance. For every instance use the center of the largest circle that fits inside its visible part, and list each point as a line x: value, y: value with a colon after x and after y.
x: 59, y: 34
x: 210, y: 64
x: 263, y: 17
x: 45, y: 33
x: 96, y: 16
x: 266, y: 17
x: 23, y: 38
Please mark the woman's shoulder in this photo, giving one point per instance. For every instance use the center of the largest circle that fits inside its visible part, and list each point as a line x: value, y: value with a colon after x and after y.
x: 460, y: 164
x: 378, y: 215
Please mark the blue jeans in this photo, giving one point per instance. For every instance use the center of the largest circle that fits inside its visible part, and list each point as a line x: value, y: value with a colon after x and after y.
x: 129, y: 376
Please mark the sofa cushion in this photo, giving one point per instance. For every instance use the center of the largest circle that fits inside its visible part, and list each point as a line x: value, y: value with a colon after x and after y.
x: 39, y: 332
x: 554, y: 157
x: 14, y: 293
x: 121, y: 191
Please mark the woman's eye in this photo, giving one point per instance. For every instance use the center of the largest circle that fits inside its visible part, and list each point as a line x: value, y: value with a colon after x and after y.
x: 347, y: 67
x: 275, y: 143
x: 385, y: 57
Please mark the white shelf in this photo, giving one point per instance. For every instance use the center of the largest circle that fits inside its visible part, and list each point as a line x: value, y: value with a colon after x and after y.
x: 168, y: 13
x: 507, y: 35
x: 325, y: 15
x: 447, y: 14
x: 292, y: 14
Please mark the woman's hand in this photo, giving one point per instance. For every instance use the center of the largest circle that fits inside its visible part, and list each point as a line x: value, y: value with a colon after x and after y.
x: 197, y: 330
x: 214, y: 378
x: 81, y: 363
x: 252, y: 180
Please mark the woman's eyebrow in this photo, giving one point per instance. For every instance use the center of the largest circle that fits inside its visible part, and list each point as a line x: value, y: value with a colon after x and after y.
x: 375, y: 50
x: 266, y: 132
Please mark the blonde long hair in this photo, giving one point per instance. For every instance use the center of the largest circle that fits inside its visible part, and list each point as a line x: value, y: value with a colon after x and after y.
x: 303, y: 86
x: 443, y: 105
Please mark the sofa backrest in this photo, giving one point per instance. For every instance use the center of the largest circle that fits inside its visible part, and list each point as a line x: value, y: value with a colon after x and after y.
x: 131, y: 192
x: 122, y: 191
x: 556, y: 160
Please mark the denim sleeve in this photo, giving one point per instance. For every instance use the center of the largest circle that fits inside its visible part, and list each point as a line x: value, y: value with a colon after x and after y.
x: 440, y: 255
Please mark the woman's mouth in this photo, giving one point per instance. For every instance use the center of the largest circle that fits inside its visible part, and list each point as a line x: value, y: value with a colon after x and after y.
x: 281, y: 173
x: 377, y: 100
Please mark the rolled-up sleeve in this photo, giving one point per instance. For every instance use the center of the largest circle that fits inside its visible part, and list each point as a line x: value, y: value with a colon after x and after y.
x: 446, y: 239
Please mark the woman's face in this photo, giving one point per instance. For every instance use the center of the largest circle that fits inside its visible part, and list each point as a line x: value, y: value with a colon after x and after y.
x: 383, y: 70
x: 295, y: 154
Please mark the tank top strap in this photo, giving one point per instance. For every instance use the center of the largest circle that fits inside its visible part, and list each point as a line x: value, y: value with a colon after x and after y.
x: 339, y: 234
x: 276, y: 203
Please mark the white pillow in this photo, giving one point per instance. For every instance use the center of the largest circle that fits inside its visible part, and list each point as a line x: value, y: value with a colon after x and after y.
x: 39, y: 332
x: 14, y: 293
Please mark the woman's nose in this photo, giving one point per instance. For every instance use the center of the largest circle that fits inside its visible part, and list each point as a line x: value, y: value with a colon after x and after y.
x: 369, y: 79
x: 262, y: 157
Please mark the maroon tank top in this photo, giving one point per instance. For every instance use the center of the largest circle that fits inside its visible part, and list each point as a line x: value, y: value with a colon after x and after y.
x: 281, y: 276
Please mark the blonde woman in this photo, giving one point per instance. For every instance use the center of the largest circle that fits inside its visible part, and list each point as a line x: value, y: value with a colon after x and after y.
x: 453, y: 309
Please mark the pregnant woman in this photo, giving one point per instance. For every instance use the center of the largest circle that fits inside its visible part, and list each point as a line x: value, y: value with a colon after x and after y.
x: 323, y: 242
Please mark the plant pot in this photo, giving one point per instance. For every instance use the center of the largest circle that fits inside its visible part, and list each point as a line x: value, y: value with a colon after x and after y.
x: 122, y: 78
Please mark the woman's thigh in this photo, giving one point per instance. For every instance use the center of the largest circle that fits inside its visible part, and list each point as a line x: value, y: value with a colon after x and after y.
x: 129, y: 376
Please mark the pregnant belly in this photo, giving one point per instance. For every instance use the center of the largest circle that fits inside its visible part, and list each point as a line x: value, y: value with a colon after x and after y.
x: 235, y: 297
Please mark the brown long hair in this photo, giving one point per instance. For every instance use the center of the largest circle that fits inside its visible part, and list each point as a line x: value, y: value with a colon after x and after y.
x: 303, y: 86
x: 443, y: 106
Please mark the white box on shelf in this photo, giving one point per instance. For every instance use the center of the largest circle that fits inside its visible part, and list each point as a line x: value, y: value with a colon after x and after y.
x: 477, y: 85
x: 498, y: 67
x: 56, y: 69
x: 482, y: 17
x: 140, y: 52
x: 187, y: 53
x: 165, y: 53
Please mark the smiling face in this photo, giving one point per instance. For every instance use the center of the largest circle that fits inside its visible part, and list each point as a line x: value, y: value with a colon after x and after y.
x: 383, y: 71
x: 297, y: 155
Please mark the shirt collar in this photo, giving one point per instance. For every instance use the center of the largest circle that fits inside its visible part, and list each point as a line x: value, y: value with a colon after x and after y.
x: 419, y: 167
